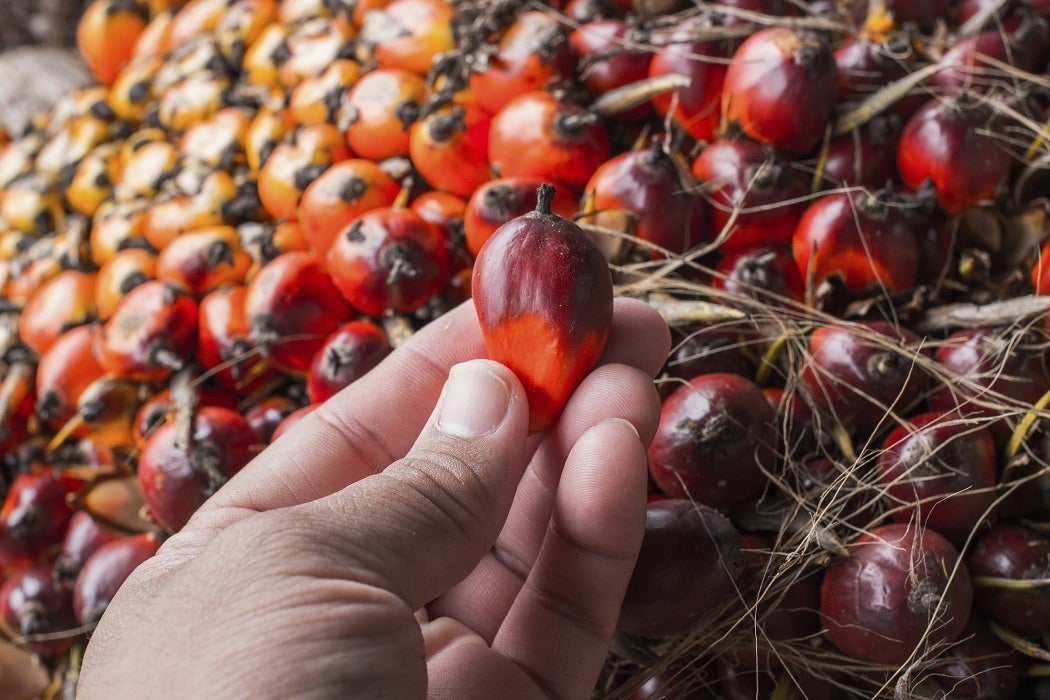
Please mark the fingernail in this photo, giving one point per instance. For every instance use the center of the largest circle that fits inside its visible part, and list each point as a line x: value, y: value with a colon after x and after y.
x: 623, y: 422
x: 474, y: 403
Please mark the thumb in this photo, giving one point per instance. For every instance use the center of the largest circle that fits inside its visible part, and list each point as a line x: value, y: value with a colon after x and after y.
x: 422, y: 524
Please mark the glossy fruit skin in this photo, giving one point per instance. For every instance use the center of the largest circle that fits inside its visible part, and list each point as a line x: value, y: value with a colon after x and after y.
x: 715, y: 441
x: 64, y: 371
x: 383, y: 105
x: 291, y: 167
x: 64, y: 301
x: 152, y: 333
x: 533, y: 52
x: 605, y: 66
x: 125, y: 271
x: 388, y: 259
x: 1012, y: 367
x: 293, y: 296
x: 864, y: 66
x: 979, y: 666
x: 647, y: 186
x: 35, y: 515
x: 269, y: 413
x: 346, y: 356
x: 204, y: 260
x: 498, y: 201
x: 769, y: 193
x: 160, y: 408
x: 31, y: 602
x: 967, y: 69
x: 83, y: 537
x: 858, y: 376
x: 877, y: 603
x: 865, y: 238
x: 176, y: 482
x: 710, y: 349
x: 948, y: 142
x: 224, y: 345
x: 450, y: 148
x: 106, y: 36
x: 764, y: 272
x: 425, y: 32
x: 945, y: 467
x: 543, y: 295
x: 864, y: 157
x: 344, y: 192
x: 105, y: 572
x: 772, y: 69
x: 1013, y: 552
x: 697, y: 109
x: 691, y: 561
x: 528, y: 138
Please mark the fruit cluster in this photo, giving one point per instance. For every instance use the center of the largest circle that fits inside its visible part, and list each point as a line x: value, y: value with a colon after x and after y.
x: 839, y: 207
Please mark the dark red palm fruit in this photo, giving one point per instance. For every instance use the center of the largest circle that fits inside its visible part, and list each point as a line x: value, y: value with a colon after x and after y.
x: 151, y: 334
x: 866, y: 238
x: 866, y: 156
x: 346, y: 356
x: 746, y: 176
x: 1040, y: 275
x: 33, y: 603
x: 265, y: 416
x: 715, y: 442
x: 532, y: 53
x: 1012, y: 552
x: 383, y: 104
x: 160, y: 408
x: 993, y: 368
x: 860, y: 372
x: 773, y: 70
x: 177, y: 479
x: 450, y: 148
x: 388, y: 259
x: 798, y: 424
x: 1008, y: 15
x: 966, y: 64
x: 951, y: 142
x: 691, y: 562
x: 865, y: 66
x: 105, y: 572
x: 446, y: 212
x: 498, y: 201
x: 224, y: 347
x: 604, y: 63
x: 776, y: 8
x: 204, y: 260
x: 939, y: 471
x: 697, y: 106
x: 764, y: 272
x: 289, y: 422
x: 344, y: 192
x: 536, y: 135
x: 543, y: 294
x: 647, y: 186
x: 64, y: 301
x: 708, y: 349
x: 64, y: 371
x: 898, y: 588
x: 673, y: 684
x: 845, y: 484
x: 83, y: 537
x: 979, y: 666
x: 35, y: 515
x: 922, y: 13
x: 292, y: 306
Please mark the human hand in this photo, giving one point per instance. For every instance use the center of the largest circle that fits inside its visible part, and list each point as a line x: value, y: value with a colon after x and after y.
x: 384, y: 547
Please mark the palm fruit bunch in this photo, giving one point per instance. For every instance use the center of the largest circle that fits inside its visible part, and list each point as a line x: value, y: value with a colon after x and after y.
x: 840, y: 207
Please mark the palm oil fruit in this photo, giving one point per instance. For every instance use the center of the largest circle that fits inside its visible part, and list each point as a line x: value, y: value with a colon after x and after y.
x: 544, y: 298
